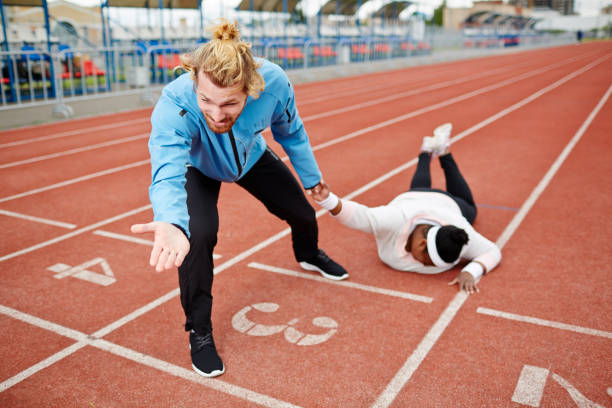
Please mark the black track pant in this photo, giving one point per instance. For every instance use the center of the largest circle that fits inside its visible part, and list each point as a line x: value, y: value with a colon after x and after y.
x: 456, y: 186
x: 271, y: 182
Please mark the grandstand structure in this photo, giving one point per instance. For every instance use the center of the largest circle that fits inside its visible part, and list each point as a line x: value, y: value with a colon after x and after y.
x: 57, y: 52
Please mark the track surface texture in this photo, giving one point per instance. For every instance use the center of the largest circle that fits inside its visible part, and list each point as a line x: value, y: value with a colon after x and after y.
x: 85, y: 322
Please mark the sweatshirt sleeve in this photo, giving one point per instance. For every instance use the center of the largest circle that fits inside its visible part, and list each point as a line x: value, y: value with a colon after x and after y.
x: 371, y: 220
x: 169, y: 146
x: 480, y: 251
x: 288, y: 130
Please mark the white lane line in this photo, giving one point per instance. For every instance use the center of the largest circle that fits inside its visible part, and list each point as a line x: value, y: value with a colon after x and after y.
x: 285, y: 158
x: 175, y: 292
x: 41, y: 365
x: 530, y: 386
x: 216, y: 384
x: 38, y: 219
x: 546, y: 323
x: 432, y: 336
x: 74, y: 132
x: 303, y: 102
x: 497, y: 207
x: 377, y: 83
x: 352, y: 91
x: 443, y: 85
x: 43, y: 324
x: 446, y: 315
x: 347, y: 284
x: 74, y: 151
x: 123, y: 237
x: 395, y: 96
x: 439, y: 105
x: 85, y: 340
x: 580, y: 400
x: 516, y: 221
x: 74, y: 233
x: 137, y: 313
x: 76, y: 180
x: 529, y: 99
x: 269, y: 241
x: 129, y: 238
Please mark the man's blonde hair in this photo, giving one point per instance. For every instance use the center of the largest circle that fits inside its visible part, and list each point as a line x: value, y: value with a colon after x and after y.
x: 226, y: 60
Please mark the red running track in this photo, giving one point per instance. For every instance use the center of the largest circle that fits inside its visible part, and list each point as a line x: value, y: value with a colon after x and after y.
x: 531, y: 135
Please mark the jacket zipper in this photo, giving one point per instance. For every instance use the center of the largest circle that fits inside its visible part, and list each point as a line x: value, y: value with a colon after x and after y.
x: 231, y: 135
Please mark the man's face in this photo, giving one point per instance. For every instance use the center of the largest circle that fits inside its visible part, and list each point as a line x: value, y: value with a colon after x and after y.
x: 220, y: 106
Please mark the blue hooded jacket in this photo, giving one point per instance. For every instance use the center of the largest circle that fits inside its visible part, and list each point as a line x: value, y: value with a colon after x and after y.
x: 181, y: 137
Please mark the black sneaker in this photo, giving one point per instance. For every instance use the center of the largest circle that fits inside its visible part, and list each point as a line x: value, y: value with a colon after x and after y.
x: 204, y: 358
x: 326, y: 266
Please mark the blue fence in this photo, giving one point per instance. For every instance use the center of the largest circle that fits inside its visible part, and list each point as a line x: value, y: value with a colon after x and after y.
x: 30, y: 76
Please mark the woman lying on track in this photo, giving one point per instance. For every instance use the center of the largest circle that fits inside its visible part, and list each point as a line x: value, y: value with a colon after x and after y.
x: 424, y: 230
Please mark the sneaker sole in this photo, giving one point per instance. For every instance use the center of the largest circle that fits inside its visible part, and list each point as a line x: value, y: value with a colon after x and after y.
x: 215, y: 373
x: 445, y: 128
x: 310, y: 267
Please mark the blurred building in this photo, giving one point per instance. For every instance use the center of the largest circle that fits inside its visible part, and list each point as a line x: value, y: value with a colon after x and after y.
x: 564, y: 7
x: 70, y: 24
x: 483, y: 14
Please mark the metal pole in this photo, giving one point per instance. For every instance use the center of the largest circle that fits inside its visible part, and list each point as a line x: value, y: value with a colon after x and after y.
x: 5, y: 44
x: 51, y: 70
x: 372, y: 15
x: 338, y: 21
x: 8, y: 57
x: 252, y: 10
x: 319, y: 23
x: 161, y: 19
x: 149, y: 16
x: 105, y: 42
x: 200, y: 7
x: 285, y: 21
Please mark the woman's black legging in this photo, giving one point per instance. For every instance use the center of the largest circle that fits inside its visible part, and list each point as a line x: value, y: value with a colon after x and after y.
x: 456, y: 186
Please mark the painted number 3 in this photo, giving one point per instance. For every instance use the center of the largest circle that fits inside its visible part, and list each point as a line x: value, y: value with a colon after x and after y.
x: 241, y: 323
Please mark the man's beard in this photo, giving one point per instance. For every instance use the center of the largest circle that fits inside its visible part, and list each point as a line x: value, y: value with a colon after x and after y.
x: 228, y: 123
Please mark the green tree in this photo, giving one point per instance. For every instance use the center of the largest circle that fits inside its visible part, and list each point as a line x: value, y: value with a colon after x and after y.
x: 438, y: 15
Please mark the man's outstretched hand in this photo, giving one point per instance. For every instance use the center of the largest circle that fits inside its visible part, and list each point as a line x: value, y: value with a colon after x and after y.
x: 170, y: 245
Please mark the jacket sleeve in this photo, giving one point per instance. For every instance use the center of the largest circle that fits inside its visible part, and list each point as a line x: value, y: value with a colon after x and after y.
x: 169, y: 147
x: 288, y: 130
x: 480, y: 251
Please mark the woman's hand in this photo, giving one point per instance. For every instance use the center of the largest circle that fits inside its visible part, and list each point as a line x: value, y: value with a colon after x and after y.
x: 466, y: 282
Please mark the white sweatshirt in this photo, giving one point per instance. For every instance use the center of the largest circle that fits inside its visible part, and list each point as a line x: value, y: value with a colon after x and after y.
x: 392, y: 224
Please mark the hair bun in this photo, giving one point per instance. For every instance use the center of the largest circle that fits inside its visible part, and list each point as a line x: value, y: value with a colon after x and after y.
x: 226, y: 31
x: 459, y: 236
x: 449, y: 242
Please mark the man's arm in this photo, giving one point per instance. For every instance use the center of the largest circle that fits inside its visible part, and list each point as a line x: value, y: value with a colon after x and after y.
x: 288, y: 130
x: 169, y: 149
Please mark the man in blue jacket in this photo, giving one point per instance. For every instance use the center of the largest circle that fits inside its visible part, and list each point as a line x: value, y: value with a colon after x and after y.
x: 207, y: 129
